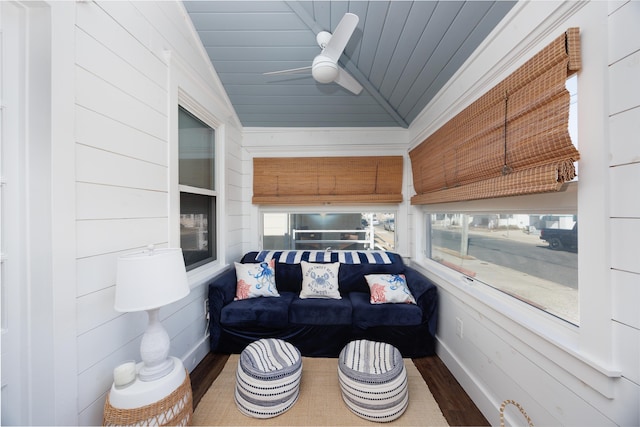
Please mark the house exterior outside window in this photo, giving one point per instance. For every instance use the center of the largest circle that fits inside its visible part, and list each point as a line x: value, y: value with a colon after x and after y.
x: 515, y: 253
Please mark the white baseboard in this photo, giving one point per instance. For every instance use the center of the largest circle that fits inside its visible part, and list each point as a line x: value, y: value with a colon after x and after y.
x: 196, y: 354
x: 470, y: 383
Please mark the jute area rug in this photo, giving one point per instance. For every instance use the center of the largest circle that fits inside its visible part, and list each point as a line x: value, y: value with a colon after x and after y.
x: 320, y: 402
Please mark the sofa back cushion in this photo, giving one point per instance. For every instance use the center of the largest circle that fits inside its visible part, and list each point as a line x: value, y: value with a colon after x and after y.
x: 367, y: 315
x: 354, y: 265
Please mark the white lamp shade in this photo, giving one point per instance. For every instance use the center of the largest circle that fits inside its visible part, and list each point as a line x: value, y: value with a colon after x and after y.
x: 150, y: 279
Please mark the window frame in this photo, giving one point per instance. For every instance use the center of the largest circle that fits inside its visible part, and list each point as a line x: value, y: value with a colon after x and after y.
x: 200, y: 272
x: 553, y: 203
x: 211, y: 194
x: 550, y: 336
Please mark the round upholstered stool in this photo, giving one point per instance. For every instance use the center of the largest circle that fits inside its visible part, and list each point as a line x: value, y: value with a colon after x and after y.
x: 268, y: 378
x: 373, y: 380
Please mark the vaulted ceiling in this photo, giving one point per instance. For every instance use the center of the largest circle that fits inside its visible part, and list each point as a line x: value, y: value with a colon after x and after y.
x: 401, y: 53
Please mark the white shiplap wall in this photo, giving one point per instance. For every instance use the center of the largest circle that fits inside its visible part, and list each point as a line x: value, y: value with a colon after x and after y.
x: 624, y: 174
x: 562, y: 375
x: 125, y: 90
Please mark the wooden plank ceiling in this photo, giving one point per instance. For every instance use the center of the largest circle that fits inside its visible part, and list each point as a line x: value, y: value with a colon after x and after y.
x: 402, y: 53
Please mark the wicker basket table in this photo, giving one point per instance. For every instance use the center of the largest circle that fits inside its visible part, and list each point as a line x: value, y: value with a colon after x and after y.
x: 166, y: 401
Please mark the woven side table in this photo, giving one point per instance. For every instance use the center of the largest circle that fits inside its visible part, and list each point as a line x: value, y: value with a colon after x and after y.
x: 123, y: 408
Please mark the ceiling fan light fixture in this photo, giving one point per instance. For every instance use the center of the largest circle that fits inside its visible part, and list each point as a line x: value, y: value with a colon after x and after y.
x: 324, y: 70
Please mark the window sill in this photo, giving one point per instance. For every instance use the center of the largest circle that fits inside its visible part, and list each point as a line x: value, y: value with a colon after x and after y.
x: 201, y: 275
x: 532, y: 330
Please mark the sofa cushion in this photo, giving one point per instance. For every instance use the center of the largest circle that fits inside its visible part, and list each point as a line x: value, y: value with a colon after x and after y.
x: 320, y: 280
x: 352, y: 275
x: 366, y: 315
x: 341, y: 256
x: 320, y: 311
x: 389, y: 288
x: 273, y: 312
x: 256, y: 280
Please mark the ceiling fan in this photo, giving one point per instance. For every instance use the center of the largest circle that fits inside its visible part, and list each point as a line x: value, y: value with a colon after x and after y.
x: 325, y: 68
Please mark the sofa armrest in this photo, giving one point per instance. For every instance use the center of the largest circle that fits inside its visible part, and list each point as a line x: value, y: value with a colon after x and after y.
x: 224, y: 286
x: 426, y: 294
x: 222, y: 290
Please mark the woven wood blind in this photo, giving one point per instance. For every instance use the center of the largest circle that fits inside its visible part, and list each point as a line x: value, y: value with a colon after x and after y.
x: 513, y: 140
x: 327, y: 180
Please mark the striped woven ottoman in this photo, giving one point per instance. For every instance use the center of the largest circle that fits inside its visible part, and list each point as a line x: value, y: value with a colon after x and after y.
x: 373, y: 380
x: 268, y: 378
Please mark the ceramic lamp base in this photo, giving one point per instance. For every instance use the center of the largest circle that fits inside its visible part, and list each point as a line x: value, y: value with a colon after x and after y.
x: 152, y: 373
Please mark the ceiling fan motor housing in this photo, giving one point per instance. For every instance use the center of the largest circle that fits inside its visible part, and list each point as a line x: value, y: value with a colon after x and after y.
x: 322, y: 38
x: 323, y: 69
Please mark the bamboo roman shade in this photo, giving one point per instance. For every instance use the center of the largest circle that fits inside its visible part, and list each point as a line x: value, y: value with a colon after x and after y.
x: 326, y: 180
x: 513, y: 140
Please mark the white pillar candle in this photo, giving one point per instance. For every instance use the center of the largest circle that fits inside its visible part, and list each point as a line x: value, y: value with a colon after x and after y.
x: 124, y: 374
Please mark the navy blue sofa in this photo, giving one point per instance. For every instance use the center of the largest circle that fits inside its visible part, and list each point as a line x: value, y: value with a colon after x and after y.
x: 322, y: 327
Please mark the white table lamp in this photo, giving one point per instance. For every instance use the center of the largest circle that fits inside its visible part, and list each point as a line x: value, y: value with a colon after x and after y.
x: 147, y: 281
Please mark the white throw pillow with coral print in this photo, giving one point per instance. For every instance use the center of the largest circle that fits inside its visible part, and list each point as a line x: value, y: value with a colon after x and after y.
x: 320, y: 280
x: 389, y: 288
x: 256, y: 280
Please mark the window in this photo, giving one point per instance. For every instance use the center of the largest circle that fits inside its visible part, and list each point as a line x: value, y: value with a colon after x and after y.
x: 525, y: 252
x: 323, y: 231
x: 197, y: 190
x: 532, y: 257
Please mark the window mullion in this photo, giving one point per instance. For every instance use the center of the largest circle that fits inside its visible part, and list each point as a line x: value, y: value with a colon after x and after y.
x: 196, y: 190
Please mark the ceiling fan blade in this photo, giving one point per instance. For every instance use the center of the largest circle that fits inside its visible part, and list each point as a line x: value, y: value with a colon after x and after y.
x: 347, y: 81
x: 289, y: 71
x: 341, y: 36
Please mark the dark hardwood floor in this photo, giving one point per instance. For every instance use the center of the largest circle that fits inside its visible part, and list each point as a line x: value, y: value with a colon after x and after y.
x: 455, y: 404
x: 457, y: 407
